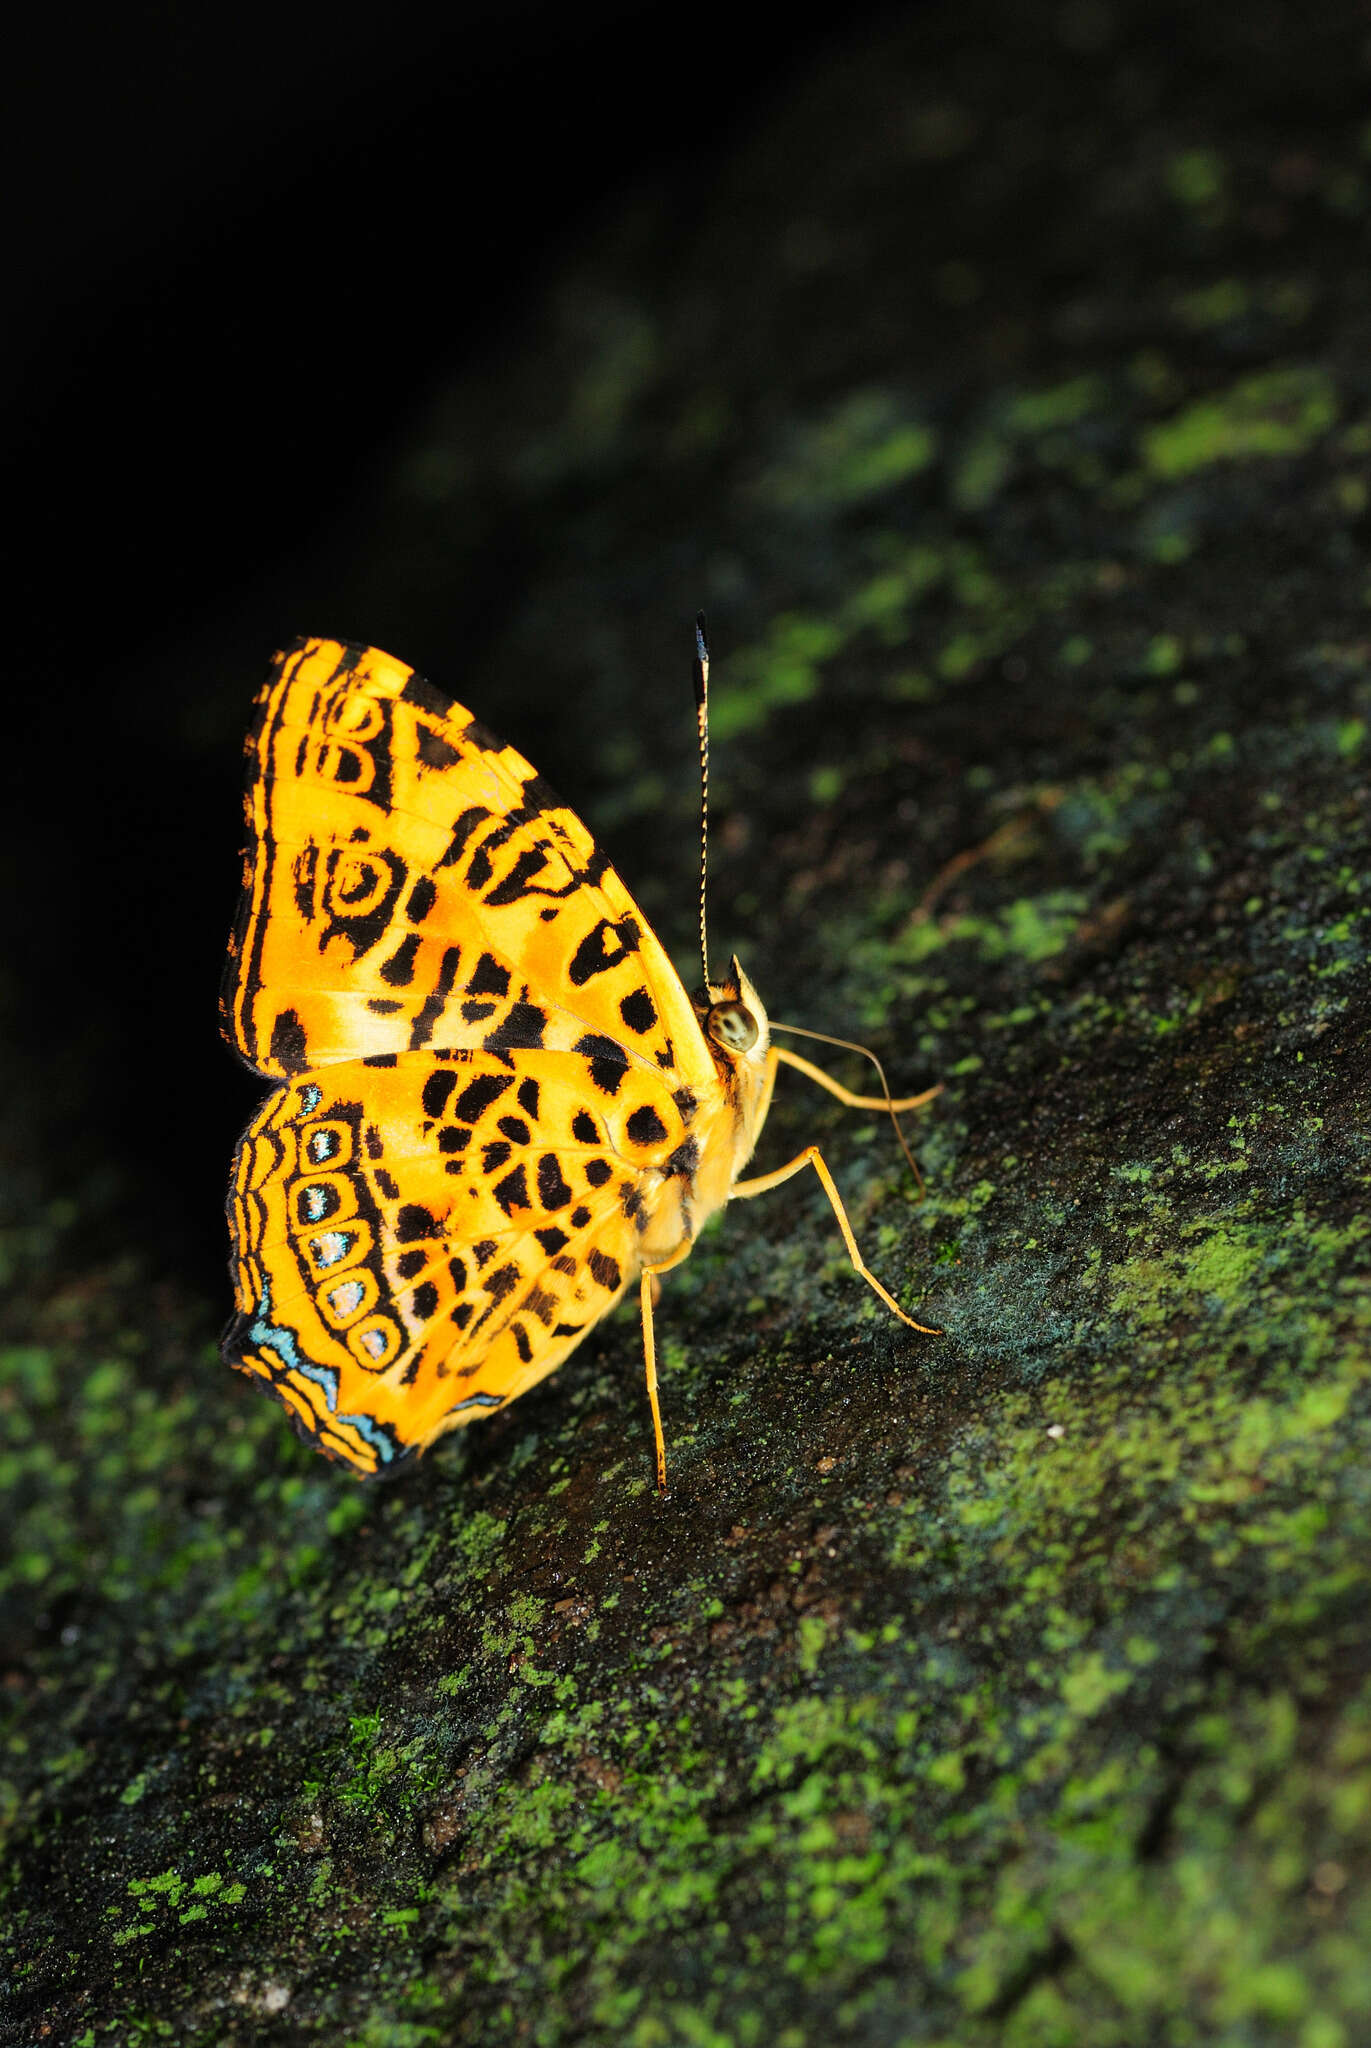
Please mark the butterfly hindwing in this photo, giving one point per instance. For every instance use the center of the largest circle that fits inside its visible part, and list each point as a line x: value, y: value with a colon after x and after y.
x: 421, y: 1241
x: 412, y: 882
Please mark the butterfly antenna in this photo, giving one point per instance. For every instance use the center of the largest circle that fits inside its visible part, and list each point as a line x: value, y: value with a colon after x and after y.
x: 847, y: 1045
x: 702, y: 725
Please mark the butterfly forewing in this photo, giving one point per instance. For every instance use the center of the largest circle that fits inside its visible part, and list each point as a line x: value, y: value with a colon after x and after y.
x: 496, y: 1090
x: 412, y: 882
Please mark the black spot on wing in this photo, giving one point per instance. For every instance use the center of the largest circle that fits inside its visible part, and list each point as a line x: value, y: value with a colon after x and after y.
x: 422, y: 898
x: 453, y: 1138
x: 552, y: 1239
x: 686, y: 1103
x: 398, y: 971
x: 494, y: 1156
x: 410, y: 1263
x: 288, y: 1043
x: 528, y: 1097
x: 638, y: 1011
x: 427, y: 696
x: 512, y: 1192
x: 540, y: 1304
x: 490, y: 978
x: 415, y: 1221
x: 603, y: 947
x: 424, y: 1301
x: 584, y: 1127
x: 304, y: 870
x: 645, y: 1127
x: 502, y: 1282
x: 432, y: 1007
x: 631, y: 1202
x: 553, y: 1191
x: 434, y: 751
x: 523, y: 1029
x: 379, y: 1059
x: 539, y: 796
x: 484, y: 1251
x: 607, y: 1058
x: 604, y: 1269
x: 462, y: 829
x: 514, y: 1128
x: 598, y: 1172
x: 478, y: 1095
x: 515, y: 883
x: 480, y: 736
x: 437, y: 1089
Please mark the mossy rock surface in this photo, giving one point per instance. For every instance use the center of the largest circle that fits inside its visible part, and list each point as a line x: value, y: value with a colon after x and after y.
x: 1006, y: 401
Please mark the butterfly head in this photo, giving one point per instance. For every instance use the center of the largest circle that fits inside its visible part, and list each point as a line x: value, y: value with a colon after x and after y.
x: 735, y: 1024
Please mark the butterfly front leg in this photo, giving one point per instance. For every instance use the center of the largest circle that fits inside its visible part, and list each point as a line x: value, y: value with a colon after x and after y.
x: 743, y: 1190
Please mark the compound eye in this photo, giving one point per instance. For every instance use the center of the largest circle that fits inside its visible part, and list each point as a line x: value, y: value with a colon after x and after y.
x: 732, y: 1026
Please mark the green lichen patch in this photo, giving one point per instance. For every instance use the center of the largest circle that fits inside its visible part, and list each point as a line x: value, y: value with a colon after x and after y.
x: 862, y: 447
x: 1279, y: 412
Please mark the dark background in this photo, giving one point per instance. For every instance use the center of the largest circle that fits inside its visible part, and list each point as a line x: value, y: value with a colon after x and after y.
x: 245, y: 244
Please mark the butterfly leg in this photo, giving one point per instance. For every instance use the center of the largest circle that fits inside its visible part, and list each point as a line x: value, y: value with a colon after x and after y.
x: 743, y: 1190
x: 845, y: 1095
x: 649, y: 1288
x: 650, y: 1361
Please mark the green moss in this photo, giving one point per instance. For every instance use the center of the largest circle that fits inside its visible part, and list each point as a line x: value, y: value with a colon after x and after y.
x: 1213, y: 305
x: 1277, y: 412
x: 1058, y: 405
x: 781, y: 671
x: 1197, y: 178
x: 864, y: 446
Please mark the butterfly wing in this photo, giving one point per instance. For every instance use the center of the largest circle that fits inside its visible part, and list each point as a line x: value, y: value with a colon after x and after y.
x: 412, y: 882
x: 495, y: 1093
x: 420, y: 1239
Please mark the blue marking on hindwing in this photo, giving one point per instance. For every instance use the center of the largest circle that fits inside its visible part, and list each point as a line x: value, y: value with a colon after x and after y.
x: 310, y: 1098
x: 376, y: 1434
x: 478, y: 1401
x: 278, y: 1338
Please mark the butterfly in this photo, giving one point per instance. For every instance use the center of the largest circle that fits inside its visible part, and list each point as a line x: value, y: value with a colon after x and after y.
x: 495, y: 1108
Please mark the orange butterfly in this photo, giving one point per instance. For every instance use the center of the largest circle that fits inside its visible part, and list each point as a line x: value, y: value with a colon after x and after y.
x: 498, y: 1107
